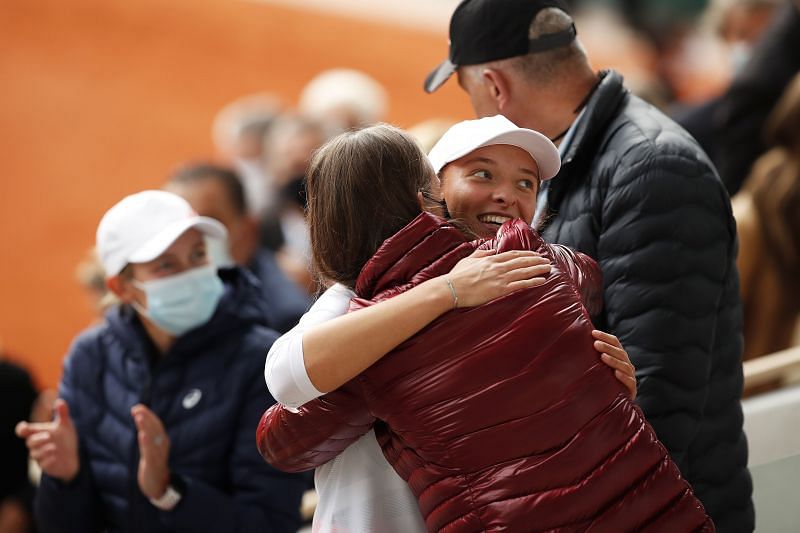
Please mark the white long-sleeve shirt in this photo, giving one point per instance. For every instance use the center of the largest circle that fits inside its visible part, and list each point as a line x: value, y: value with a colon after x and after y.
x: 358, y: 491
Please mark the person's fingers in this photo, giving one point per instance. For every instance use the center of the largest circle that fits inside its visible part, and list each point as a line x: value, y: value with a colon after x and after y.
x: 145, y: 444
x: 41, y: 451
x: 151, y: 421
x: 145, y: 419
x: 527, y: 272
x: 614, y: 351
x: 138, y: 420
x: 520, y: 262
x: 483, y: 253
x: 628, y: 381
x: 22, y: 429
x: 61, y: 410
x: 38, y: 438
x: 146, y: 424
x: 151, y: 435
x: 526, y: 283
x: 606, y: 337
x: 47, y: 463
x: 619, y: 364
x: 26, y: 429
x: 510, y: 255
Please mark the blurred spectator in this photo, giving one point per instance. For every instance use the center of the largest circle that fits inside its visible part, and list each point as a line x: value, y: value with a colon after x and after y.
x: 767, y: 211
x: 740, y: 23
x: 17, y: 396
x: 428, y: 132
x: 744, y: 108
x: 604, y: 33
x: 216, y: 192
x: 737, y: 25
x: 154, y: 422
x: 92, y: 279
x: 238, y: 132
x: 344, y: 99
x: 288, y: 148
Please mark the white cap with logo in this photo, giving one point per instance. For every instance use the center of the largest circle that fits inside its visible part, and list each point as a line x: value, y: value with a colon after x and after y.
x: 140, y: 227
x: 469, y: 135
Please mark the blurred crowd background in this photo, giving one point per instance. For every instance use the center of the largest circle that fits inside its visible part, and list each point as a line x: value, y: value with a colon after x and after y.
x: 103, y: 98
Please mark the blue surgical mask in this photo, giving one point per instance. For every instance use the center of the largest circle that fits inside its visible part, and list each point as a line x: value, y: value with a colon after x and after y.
x: 181, y: 302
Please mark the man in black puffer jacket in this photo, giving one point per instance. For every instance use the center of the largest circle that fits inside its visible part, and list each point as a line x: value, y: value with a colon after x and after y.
x: 636, y: 193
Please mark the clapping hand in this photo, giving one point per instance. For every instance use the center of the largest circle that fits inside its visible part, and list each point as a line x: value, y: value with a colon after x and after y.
x: 153, y: 474
x: 53, y: 445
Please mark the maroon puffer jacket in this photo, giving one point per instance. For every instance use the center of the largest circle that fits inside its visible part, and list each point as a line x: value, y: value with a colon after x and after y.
x: 500, y: 417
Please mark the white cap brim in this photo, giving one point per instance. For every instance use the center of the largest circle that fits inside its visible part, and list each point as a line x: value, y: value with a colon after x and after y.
x: 159, y: 244
x: 468, y: 136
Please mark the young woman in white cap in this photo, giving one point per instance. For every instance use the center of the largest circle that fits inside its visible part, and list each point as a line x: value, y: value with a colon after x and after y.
x: 493, y: 177
x: 153, y: 428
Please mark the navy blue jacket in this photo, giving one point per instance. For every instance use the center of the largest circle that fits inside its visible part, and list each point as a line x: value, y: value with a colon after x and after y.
x: 636, y: 193
x: 209, y: 392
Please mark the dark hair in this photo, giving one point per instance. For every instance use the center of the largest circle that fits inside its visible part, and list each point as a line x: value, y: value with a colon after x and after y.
x: 199, y: 172
x: 362, y: 189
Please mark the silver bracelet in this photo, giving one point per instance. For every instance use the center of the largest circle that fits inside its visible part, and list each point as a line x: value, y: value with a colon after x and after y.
x: 453, y: 292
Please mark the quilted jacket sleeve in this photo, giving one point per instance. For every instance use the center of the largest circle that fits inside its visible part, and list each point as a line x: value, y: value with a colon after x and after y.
x: 665, y: 249
x: 73, y: 506
x: 303, y: 439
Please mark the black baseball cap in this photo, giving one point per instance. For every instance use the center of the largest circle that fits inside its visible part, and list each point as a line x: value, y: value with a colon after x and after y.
x: 488, y: 30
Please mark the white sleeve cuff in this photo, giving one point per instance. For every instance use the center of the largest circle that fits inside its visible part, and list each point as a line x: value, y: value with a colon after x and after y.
x: 285, y: 369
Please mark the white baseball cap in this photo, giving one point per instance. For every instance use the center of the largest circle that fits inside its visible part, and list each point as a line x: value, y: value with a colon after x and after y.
x: 469, y: 135
x: 140, y: 227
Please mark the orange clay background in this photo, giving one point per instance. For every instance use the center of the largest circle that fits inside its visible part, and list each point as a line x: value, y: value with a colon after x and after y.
x: 102, y: 98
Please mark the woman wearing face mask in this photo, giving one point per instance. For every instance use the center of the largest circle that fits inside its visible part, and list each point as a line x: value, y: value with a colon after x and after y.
x: 462, y: 408
x: 153, y: 428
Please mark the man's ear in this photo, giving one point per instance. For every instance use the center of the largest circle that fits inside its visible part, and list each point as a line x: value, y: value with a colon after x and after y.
x: 498, y: 86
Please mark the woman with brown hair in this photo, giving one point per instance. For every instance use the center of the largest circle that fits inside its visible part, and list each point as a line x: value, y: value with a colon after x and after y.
x: 482, y: 406
x: 767, y: 212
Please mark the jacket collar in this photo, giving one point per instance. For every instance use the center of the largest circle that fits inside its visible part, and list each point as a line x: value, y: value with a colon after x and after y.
x: 398, y: 259
x: 600, y: 108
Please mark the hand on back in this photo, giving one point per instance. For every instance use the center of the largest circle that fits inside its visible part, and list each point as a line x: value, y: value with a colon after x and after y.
x: 614, y: 355
x: 485, y: 275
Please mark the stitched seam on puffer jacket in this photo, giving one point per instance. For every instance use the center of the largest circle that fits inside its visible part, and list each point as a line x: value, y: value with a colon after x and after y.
x: 602, y: 462
x: 473, y: 509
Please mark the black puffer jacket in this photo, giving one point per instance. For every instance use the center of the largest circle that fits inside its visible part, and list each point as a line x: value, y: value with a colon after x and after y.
x: 637, y: 194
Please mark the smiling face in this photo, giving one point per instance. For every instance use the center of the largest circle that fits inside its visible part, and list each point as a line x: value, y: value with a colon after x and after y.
x: 490, y: 185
